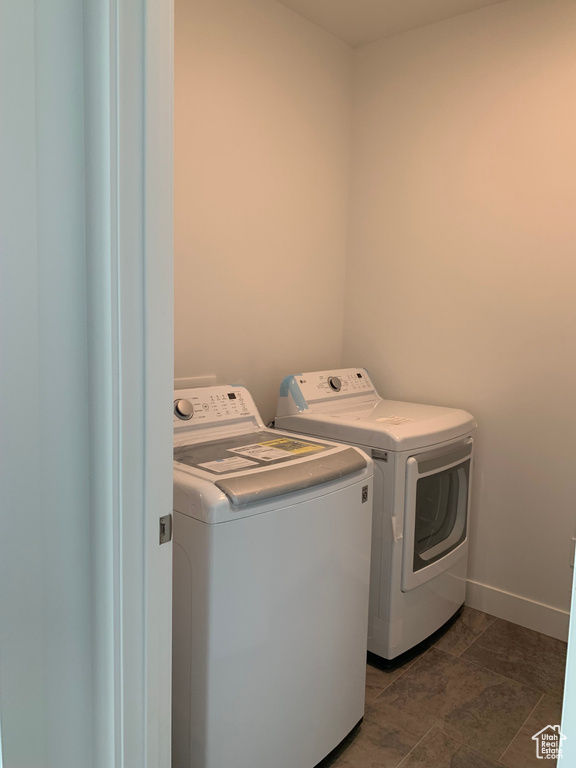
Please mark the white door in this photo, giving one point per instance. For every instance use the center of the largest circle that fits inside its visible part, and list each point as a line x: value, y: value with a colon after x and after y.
x: 86, y: 357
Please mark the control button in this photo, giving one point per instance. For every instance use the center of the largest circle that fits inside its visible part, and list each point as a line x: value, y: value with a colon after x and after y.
x: 183, y: 409
x: 335, y: 383
x: 205, y: 406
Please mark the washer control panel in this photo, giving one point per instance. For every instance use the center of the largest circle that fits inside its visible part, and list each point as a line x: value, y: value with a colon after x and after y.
x: 210, y: 405
x: 322, y: 385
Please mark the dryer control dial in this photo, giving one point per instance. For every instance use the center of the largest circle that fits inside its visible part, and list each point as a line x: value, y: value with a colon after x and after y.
x: 335, y: 383
x: 183, y: 409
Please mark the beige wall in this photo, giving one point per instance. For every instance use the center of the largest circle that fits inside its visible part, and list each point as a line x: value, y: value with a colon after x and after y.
x: 262, y: 150
x: 461, y: 276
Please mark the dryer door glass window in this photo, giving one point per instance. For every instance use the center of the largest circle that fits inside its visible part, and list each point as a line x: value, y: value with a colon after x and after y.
x: 440, y: 514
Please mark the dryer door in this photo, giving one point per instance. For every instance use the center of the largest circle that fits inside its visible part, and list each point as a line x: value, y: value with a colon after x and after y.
x: 435, y: 513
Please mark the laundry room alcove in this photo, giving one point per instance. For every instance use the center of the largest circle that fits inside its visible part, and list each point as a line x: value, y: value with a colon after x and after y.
x: 403, y: 203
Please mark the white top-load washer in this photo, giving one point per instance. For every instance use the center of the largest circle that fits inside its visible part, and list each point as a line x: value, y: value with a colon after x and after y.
x: 271, y: 580
x: 422, y: 475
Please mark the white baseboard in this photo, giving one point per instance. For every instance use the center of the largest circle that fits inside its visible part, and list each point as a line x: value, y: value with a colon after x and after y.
x: 520, y: 610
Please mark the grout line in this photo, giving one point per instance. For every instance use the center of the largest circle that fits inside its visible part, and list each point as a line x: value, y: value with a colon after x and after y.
x: 492, y: 671
x: 503, y: 676
x: 407, y: 755
x: 446, y: 653
x: 414, y: 661
x: 479, y: 666
x: 522, y: 726
x: 477, y: 638
x: 459, y: 740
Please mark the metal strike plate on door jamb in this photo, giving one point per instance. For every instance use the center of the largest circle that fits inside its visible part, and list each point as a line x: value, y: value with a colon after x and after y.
x: 165, y: 529
x: 379, y: 455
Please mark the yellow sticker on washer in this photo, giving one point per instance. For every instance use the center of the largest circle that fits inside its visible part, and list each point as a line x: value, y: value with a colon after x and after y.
x: 293, y: 446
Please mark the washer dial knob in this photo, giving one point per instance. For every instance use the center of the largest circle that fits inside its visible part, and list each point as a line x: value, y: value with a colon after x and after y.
x: 335, y: 383
x: 183, y: 409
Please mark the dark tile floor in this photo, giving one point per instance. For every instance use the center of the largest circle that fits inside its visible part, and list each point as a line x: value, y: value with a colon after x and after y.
x: 472, y: 699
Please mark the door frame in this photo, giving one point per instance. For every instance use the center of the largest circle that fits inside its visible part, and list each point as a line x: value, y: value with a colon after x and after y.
x: 128, y: 77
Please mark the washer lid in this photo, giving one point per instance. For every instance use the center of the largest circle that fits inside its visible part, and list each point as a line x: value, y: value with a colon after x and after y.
x: 263, y: 464
x: 388, y: 424
x: 258, y: 486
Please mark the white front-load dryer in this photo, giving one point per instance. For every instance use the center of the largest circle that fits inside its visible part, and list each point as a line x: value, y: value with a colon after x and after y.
x: 422, y: 475
x: 271, y: 580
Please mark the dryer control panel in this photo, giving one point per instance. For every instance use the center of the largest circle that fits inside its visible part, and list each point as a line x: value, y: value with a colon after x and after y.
x: 321, y: 384
x: 299, y: 391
